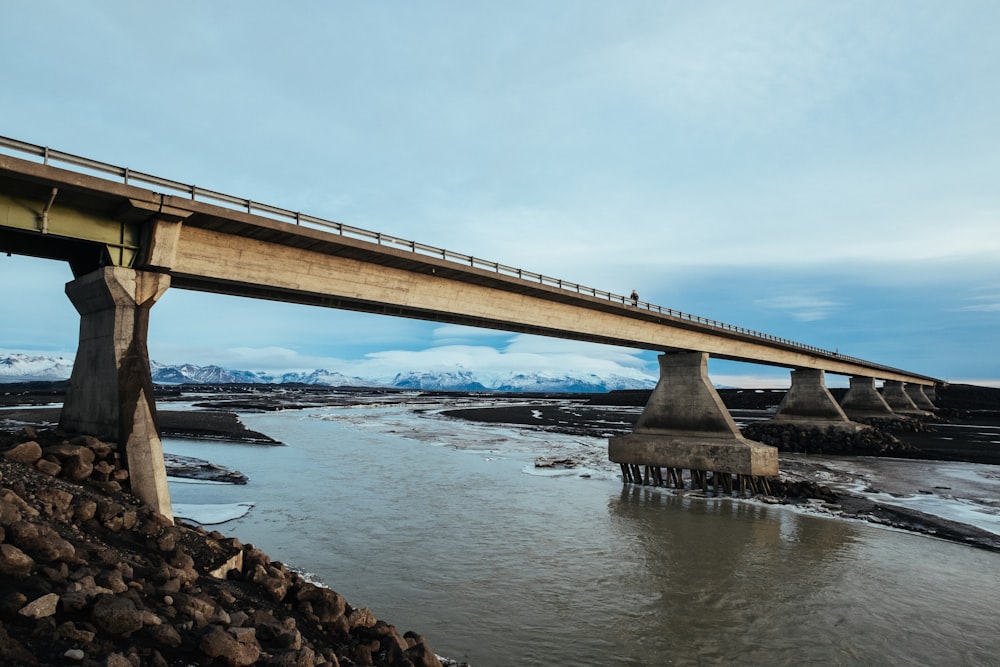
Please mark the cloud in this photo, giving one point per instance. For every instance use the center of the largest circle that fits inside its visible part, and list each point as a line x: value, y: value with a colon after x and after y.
x: 802, y: 307
x: 522, y: 354
x: 766, y: 64
x: 989, y: 303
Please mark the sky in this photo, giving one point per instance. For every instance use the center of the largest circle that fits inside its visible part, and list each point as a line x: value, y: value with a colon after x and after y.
x: 823, y: 171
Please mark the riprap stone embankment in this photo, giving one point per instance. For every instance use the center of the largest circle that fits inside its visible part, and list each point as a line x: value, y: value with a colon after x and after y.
x: 90, y: 576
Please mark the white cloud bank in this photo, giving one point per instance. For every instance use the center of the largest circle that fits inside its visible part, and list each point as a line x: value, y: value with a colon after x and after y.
x: 519, y: 354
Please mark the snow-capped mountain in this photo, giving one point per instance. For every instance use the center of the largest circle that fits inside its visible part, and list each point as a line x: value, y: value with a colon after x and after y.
x: 22, y: 368
x: 28, y: 368
x: 191, y: 374
x: 325, y: 377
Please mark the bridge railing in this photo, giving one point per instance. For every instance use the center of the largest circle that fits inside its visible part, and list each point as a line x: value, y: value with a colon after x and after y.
x: 195, y: 193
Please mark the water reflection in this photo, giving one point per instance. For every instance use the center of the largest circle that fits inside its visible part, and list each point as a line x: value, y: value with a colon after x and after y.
x: 499, y: 567
x: 723, y: 580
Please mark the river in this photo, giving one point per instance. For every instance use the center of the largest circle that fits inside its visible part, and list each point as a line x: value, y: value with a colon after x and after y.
x: 447, y: 528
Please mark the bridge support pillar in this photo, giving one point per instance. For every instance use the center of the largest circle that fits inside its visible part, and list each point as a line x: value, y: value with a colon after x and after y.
x: 808, y: 400
x: 110, y: 393
x: 919, y: 398
x: 895, y: 394
x: 863, y: 400
x: 686, y: 425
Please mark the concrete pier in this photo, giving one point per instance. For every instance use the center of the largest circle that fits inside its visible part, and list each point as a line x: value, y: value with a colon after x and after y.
x: 919, y: 398
x: 808, y: 400
x: 110, y: 395
x: 895, y: 394
x: 686, y: 425
x: 863, y: 400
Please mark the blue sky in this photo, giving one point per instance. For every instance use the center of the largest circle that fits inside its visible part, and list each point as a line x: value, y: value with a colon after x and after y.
x: 823, y: 171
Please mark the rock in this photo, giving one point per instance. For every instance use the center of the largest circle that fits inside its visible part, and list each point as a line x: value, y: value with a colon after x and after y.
x: 164, y: 634
x: 12, y: 505
x: 112, y: 580
x: 43, y: 607
x: 74, y: 654
x: 244, y: 635
x: 76, y: 468
x: 360, y: 618
x: 66, y: 450
x: 41, y: 541
x: 55, y: 502
x: 119, y: 660
x: 219, y: 644
x: 68, y: 630
x: 50, y: 468
x: 100, y: 449
x: 26, y: 452
x: 116, y: 615
x: 77, y: 461
x: 84, y: 510
x: 272, y: 580
x: 103, y: 470
x: 326, y: 604
x: 200, y: 610
x: 13, y: 651
x: 14, y: 561
x: 421, y: 656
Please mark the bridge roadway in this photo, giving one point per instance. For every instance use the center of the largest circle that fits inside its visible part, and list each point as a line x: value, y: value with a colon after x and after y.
x: 123, y: 239
x: 215, y: 249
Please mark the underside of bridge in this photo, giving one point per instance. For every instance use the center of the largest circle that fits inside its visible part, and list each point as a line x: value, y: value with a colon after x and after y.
x: 126, y: 245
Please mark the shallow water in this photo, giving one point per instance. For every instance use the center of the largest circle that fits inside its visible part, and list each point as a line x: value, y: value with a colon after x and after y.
x: 446, y: 528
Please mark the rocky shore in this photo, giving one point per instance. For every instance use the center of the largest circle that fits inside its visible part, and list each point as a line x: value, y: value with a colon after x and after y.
x: 90, y: 576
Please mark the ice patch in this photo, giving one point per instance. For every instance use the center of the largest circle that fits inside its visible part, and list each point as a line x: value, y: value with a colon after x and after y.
x: 211, y: 515
x: 189, y: 480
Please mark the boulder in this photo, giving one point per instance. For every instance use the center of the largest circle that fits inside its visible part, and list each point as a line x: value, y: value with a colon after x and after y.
x: 220, y: 645
x: 42, y: 607
x: 13, y: 651
x: 55, y: 502
x: 26, y: 452
x: 116, y: 615
x: 50, y: 468
x: 41, y: 541
x: 14, y: 561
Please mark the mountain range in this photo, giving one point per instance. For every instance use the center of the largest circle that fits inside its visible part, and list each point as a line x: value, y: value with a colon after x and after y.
x: 25, y: 368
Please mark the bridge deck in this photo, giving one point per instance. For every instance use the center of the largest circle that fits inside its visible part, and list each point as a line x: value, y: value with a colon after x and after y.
x: 218, y: 248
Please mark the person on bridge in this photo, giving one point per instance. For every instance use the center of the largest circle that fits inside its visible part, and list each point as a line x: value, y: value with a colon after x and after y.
x: 635, y: 298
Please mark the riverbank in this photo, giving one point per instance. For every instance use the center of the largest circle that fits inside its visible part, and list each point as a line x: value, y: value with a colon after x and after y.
x: 91, y: 576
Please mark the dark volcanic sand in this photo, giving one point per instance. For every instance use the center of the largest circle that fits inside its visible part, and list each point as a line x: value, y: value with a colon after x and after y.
x: 179, y: 424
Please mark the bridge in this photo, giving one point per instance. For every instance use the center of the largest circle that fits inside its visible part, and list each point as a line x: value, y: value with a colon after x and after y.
x: 128, y: 236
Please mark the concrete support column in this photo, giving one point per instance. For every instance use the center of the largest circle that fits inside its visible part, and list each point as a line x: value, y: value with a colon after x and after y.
x: 863, y: 400
x: 917, y: 395
x: 808, y: 399
x: 686, y: 425
x: 894, y: 393
x: 111, y: 391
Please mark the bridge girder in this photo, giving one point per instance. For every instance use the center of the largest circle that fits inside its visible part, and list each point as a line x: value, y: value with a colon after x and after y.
x: 93, y: 222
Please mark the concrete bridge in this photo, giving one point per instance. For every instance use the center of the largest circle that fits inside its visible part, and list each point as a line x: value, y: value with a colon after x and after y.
x: 129, y: 236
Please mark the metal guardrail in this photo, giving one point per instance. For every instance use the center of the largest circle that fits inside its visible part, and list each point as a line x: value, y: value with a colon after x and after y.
x: 195, y: 193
